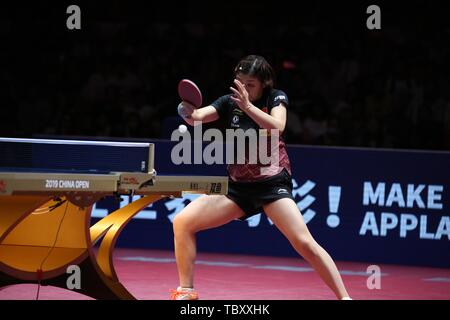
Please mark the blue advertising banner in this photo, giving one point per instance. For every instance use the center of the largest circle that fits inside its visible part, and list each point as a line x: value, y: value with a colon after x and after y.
x: 376, y: 206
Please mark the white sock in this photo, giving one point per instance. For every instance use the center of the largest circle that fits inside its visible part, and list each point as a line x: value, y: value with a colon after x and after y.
x: 184, y: 289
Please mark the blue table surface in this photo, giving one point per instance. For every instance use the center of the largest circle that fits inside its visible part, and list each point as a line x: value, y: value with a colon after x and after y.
x: 93, y: 171
x: 42, y: 170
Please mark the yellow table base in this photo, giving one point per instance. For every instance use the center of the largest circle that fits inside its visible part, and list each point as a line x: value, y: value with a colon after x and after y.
x: 40, y: 237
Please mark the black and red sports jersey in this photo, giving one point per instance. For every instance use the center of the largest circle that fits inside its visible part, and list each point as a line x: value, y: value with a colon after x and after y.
x: 235, y: 118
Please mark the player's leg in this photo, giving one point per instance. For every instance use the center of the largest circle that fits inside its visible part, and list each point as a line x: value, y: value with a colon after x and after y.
x: 203, y: 213
x: 286, y: 216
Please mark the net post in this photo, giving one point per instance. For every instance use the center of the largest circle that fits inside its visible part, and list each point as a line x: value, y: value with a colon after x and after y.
x: 151, y: 158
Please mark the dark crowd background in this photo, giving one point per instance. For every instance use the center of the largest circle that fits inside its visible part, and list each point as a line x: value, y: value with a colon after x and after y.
x: 117, y: 76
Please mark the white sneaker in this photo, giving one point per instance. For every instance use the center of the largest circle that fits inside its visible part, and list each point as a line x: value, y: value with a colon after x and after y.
x: 183, y: 294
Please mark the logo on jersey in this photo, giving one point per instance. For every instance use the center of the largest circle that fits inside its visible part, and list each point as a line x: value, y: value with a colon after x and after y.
x: 280, y: 97
x: 235, y: 121
x: 282, y: 191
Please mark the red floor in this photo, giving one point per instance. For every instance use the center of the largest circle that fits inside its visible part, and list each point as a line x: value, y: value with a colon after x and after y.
x: 150, y: 274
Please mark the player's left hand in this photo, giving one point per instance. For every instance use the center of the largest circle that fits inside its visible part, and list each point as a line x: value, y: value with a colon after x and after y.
x: 240, y: 95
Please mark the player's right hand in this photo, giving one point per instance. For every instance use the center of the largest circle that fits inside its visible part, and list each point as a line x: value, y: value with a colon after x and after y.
x: 185, y: 109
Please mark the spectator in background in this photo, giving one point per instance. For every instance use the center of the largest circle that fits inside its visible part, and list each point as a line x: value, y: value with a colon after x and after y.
x: 393, y: 80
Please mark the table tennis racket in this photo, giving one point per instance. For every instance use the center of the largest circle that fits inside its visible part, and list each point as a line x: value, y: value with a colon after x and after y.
x: 189, y: 92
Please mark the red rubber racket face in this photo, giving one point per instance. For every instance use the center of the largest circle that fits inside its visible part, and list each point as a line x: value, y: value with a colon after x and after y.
x: 189, y: 92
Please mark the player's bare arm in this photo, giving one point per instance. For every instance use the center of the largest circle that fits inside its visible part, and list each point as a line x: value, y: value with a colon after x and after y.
x: 275, y: 120
x: 203, y: 115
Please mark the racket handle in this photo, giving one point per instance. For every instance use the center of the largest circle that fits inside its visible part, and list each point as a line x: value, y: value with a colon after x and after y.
x: 185, y: 110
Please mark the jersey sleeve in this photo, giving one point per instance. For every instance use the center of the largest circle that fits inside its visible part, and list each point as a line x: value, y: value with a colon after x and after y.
x: 277, y: 97
x: 221, y: 105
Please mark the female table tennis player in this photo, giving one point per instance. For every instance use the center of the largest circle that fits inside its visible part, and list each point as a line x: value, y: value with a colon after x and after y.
x: 252, y: 103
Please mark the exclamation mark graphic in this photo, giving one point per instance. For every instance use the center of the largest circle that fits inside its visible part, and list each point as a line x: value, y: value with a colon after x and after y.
x: 334, y: 195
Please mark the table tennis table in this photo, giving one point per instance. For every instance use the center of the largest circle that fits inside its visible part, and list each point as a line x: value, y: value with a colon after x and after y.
x: 47, y: 191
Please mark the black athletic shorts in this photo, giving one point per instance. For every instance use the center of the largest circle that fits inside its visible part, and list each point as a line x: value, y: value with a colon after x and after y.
x: 251, y: 196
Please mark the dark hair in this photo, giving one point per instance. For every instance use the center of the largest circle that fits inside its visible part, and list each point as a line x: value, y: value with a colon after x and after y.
x: 258, y: 67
